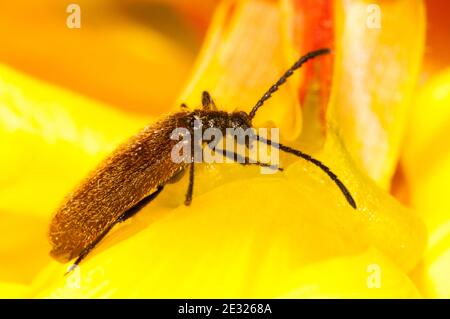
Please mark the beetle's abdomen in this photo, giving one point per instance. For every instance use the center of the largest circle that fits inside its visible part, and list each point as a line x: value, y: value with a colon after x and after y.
x: 133, y: 171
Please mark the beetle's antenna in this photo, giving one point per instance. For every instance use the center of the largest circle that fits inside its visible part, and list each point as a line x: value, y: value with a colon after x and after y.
x: 316, y: 162
x: 285, y: 76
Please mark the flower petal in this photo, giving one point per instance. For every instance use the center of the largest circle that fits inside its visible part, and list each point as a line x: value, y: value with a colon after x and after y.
x: 367, y: 275
x: 11, y: 290
x: 426, y: 164
x: 50, y: 139
x: 309, y: 26
x: 237, y: 247
x: 240, y: 60
x: 374, y: 77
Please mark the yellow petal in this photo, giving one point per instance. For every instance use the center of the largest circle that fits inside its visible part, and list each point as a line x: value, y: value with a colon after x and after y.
x: 374, y: 78
x: 367, y: 275
x: 427, y: 142
x: 240, y: 60
x: 380, y: 220
x: 12, y: 290
x: 238, y: 247
x: 426, y: 163
x: 50, y: 138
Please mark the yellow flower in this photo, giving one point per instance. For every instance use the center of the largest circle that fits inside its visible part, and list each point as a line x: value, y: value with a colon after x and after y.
x: 426, y: 164
x: 286, y: 235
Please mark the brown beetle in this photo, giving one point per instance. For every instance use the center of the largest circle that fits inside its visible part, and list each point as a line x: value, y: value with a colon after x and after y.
x: 137, y: 171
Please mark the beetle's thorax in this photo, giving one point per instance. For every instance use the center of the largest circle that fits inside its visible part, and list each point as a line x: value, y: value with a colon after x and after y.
x: 221, y: 119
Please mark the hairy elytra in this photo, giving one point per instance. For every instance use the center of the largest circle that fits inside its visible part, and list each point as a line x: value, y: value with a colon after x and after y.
x: 136, y: 172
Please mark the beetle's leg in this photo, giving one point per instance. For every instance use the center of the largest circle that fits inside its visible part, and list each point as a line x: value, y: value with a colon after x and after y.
x: 244, y: 160
x: 190, y: 189
x: 129, y: 213
x: 208, y: 102
x: 137, y: 208
x: 184, y: 106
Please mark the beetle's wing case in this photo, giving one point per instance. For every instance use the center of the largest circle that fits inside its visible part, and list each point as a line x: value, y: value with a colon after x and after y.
x: 134, y: 170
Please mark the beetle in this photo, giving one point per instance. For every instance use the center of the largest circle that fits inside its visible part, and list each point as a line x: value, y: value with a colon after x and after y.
x: 136, y: 172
